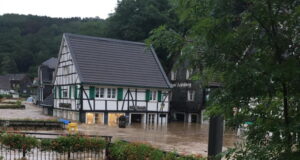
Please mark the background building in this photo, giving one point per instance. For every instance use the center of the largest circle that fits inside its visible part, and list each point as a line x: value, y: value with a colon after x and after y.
x: 45, y: 79
x: 187, y: 99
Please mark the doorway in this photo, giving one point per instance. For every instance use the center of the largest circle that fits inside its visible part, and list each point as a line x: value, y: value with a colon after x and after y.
x: 194, y: 118
x: 137, y: 118
x: 180, y: 117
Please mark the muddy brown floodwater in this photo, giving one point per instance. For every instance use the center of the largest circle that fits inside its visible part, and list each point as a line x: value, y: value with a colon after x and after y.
x: 183, y: 138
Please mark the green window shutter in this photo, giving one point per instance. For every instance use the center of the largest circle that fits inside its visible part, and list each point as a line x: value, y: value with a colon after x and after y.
x: 75, y: 92
x: 60, y: 91
x: 92, y: 92
x: 120, y: 94
x: 54, y: 92
x: 147, y: 95
x: 159, y: 96
x: 70, y: 92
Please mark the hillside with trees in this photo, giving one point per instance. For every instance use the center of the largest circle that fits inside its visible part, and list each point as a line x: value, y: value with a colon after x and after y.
x: 26, y: 41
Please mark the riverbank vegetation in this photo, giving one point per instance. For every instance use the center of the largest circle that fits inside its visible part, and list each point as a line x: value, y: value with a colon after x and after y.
x: 251, y: 48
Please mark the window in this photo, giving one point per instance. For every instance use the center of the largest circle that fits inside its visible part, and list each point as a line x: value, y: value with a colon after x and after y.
x: 64, y: 93
x: 190, y: 95
x: 173, y: 75
x: 189, y: 73
x: 164, y: 96
x: 153, y: 95
x: 99, y: 92
x: 111, y: 93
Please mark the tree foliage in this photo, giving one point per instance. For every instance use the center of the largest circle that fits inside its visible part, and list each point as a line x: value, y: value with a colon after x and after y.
x: 253, y: 45
x: 134, y: 19
x: 26, y: 41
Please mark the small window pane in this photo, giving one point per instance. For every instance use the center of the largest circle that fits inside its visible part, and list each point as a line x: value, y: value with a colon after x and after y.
x: 101, y: 92
x: 97, y: 93
x: 113, y: 93
x: 108, y: 92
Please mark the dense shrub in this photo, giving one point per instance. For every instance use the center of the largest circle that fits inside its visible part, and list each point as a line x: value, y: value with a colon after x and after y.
x: 138, y: 151
x: 18, y: 142
x: 73, y: 143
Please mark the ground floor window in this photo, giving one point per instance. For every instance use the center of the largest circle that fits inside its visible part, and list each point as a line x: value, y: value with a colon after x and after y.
x: 99, y: 118
x: 90, y: 118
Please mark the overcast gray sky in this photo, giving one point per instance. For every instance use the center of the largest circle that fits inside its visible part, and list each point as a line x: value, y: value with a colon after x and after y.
x: 59, y: 8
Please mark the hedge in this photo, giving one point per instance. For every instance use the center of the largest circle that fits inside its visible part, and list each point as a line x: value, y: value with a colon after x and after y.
x: 137, y: 151
x: 70, y: 143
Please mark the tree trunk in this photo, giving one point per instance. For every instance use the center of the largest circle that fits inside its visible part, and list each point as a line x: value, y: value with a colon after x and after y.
x: 286, y: 115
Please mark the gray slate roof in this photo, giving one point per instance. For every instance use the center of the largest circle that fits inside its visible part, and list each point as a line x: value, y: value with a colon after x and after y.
x: 16, y: 77
x: 5, y: 83
x: 51, y: 63
x: 116, y: 62
x: 48, y: 101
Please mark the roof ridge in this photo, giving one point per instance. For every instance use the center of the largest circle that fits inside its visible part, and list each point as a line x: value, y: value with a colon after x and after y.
x: 104, y: 39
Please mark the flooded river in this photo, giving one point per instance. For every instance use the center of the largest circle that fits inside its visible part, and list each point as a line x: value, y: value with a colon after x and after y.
x: 183, y: 138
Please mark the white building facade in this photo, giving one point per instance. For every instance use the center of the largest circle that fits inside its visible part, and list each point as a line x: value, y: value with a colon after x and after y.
x: 93, y: 92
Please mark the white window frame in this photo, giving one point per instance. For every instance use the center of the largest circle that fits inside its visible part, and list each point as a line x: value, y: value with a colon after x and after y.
x: 153, y: 95
x: 190, y: 95
x: 111, y: 93
x: 100, y: 89
x: 173, y: 75
x: 63, y: 91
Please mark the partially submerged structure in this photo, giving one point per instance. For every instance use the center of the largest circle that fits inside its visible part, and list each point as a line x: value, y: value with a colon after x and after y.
x: 99, y: 79
x: 187, y: 102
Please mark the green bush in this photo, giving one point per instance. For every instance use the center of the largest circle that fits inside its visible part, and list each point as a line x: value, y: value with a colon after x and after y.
x: 73, y: 143
x: 19, y: 103
x: 138, y: 151
x: 18, y: 142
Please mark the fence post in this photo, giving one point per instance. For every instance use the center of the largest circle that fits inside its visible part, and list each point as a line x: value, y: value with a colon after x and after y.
x: 108, y: 140
x: 24, y: 149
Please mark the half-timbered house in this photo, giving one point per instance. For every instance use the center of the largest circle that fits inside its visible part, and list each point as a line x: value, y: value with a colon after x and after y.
x: 99, y: 79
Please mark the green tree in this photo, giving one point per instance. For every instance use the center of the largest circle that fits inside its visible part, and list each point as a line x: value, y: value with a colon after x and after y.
x: 134, y: 19
x: 254, y: 46
x: 8, y: 65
